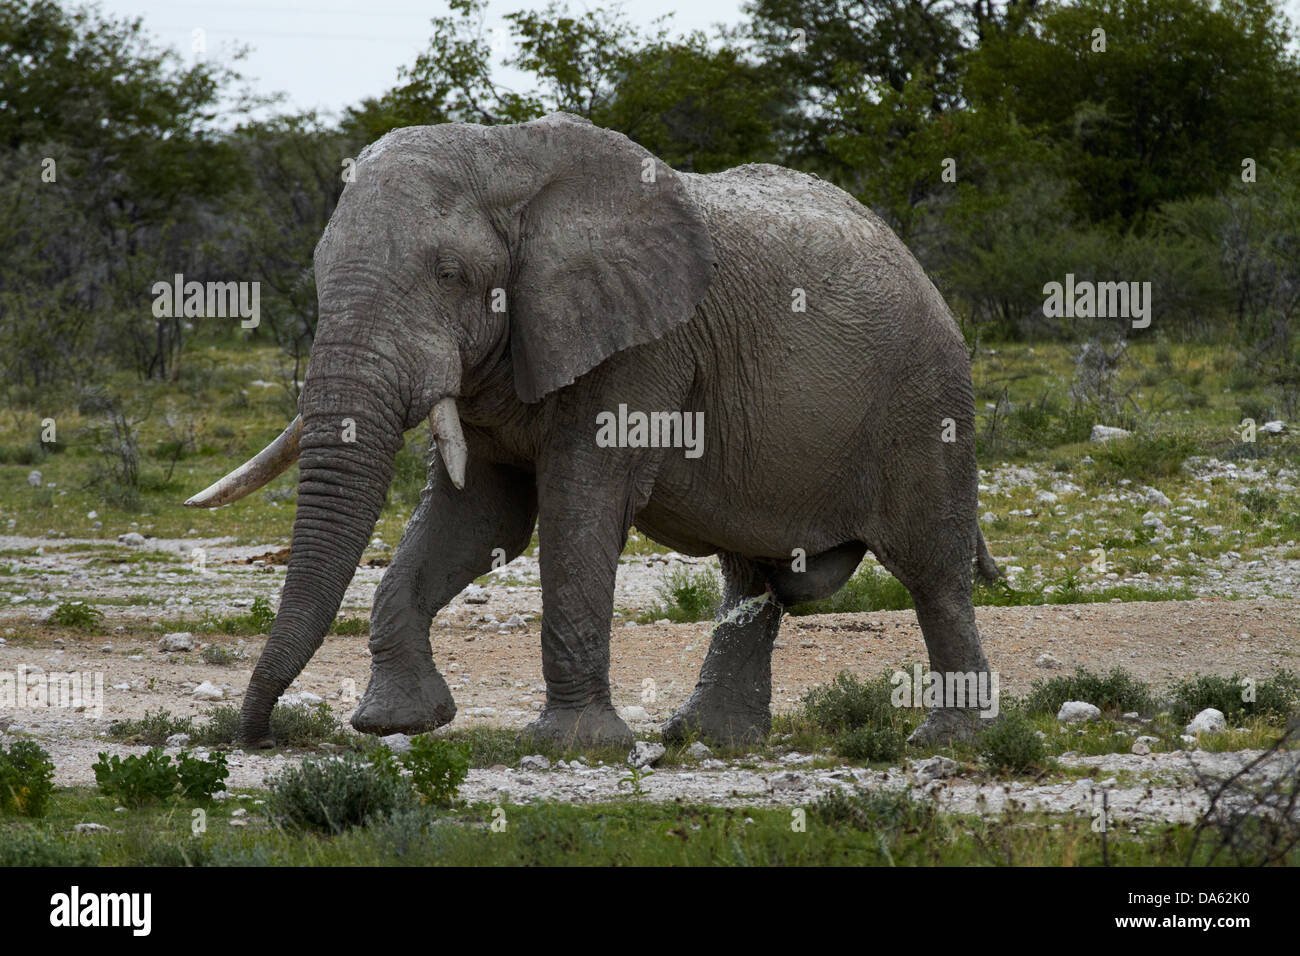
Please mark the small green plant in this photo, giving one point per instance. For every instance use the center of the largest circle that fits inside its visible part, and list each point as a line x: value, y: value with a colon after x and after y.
x: 351, y: 627
x: 258, y: 620
x: 687, y: 596
x: 1273, y: 700
x: 26, y: 846
x: 152, y: 729
x: 136, y: 779
x: 217, y: 654
x: 437, y: 767
x: 875, y: 811
x: 1143, y: 458
x: 334, y: 794
x: 26, y: 779
x: 1011, y: 744
x: 634, y: 776
x: 871, y: 743
x: 77, y: 614
x: 1258, y: 502
x: 200, y: 779
x: 1117, y: 691
x: 847, y: 704
x: 870, y: 589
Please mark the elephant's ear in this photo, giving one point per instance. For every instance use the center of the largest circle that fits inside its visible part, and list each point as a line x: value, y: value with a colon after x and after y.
x: 612, y: 252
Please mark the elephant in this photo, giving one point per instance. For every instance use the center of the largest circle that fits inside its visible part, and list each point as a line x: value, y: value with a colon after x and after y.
x: 518, y: 285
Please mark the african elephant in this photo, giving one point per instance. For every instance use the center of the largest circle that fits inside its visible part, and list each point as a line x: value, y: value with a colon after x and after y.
x: 519, y: 285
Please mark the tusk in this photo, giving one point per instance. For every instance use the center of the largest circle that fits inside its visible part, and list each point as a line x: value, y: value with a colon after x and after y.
x: 269, y: 463
x: 444, y: 420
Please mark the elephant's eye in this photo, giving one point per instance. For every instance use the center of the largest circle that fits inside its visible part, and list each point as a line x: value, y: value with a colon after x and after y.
x: 448, y: 270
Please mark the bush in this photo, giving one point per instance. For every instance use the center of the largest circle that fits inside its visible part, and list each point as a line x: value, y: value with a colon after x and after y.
x: 870, y: 589
x: 1117, y: 691
x: 875, y: 810
x: 438, y: 768
x: 25, y: 846
x: 77, y: 614
x: 848, y: 704
x: 337, y: 793
x: 222, y: 727
x: 137, y: 779
x: 1012, y: 744
x: 1275, y: 698
x: 687, y: 596
x: 292, y: 725
x: 200, y: 779
x: 871, y: 743
x: 258, y: 620
x: 1143, y: 458
x: 152, y: 729
x: 26, y: 779
x: 217, y: 654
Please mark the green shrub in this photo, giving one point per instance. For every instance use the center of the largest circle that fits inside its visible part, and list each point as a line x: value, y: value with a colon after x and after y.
x: 1258, y: 502
x: 438, y: 768
x: 870, y: 589
x: 217, y: 654
x: 258, y: 620
x: 137, y: 779
x: 1275, y: 698
x: 152, y: 729
x: 142, y: 778
x: 26, y: 779
x: 351, y: 626
x: 871, y: 743
x: 77, y: 614
x: 1117, y: 691
x: 847, y: 704
x: 25, y: 846
x: 221, y: 727
x: 334, y: 794
x: 292, y: 725
x: 199, y: 778
x: 1012, y: 744
x: 1143, y: 458
x: 687, y: 596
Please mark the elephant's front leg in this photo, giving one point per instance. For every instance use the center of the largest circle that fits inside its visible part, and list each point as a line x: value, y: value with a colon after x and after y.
x: 731, y: 703
x: 586, y: 501
x: 449, y: 541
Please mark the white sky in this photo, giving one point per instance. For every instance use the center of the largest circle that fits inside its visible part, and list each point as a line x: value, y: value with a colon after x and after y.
x: 327, y: 54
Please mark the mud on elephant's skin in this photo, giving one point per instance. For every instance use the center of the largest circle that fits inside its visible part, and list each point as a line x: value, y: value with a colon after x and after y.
x: 517, y: 285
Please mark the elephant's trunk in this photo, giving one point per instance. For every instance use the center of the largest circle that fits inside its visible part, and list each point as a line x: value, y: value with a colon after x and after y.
x: 342, y: 486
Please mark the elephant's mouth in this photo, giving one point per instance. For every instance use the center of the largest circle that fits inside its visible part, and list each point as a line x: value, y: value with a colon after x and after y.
x: 275, y: 459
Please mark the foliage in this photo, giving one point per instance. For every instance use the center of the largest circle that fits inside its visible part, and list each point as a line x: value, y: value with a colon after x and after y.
x: 1117, y: 691
x: 79, y: 615
x: 1011, y: 743
x: 26, y: 779
x: 140, y: 778
x: 437, y: 768
x: 1276, y: 698
x: 848, y: 704
x: 687, y: 596
x: 332, y: 795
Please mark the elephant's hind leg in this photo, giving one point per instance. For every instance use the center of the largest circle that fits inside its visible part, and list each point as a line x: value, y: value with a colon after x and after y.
x: 448, y: 542
x: 731, y: 703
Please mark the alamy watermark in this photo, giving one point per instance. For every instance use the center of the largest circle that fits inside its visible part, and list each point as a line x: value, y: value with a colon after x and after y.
x: 208, y: 300
x: 976, y: 690
x: 651, y: 430
x: 72, y: 690
x: 1086, y: 299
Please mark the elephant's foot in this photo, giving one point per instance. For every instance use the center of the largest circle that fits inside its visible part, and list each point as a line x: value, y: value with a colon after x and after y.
x: 719, y: 718
x: 590, y: 727
x: 944, y: 725
x: 405, y: 702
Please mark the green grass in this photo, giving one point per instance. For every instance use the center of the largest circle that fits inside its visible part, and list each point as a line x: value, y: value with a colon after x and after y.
x: 686, y: 595
x: 851, y: 829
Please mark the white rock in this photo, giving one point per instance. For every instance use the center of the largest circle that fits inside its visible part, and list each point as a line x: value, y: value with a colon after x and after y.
x: 208, y: 691
x: 935, y: 768
x: 1207, y: 721
x: 1106, y: 433
x: 1076, y: 712
x: 698, y: 751
x: 177, y: 641
x: 988, y: 517
x: 1140, y: 748
x: 1048, y: 662
x: 1270, y: 428
x: 1045, y: 498
x: 178, y: 740
x: 534, y: 762
x: 34, y: 479
x: 634, y: 713
x: 515, y: 622
x: 90, y: 828
x: 397, y: 743
x: 133, y: 539
x: 1154, y: 498
x: 646, y: 754
x: 302, y: 698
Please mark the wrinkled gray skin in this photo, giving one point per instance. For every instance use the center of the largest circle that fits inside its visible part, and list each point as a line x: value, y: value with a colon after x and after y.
x: 822, y: 427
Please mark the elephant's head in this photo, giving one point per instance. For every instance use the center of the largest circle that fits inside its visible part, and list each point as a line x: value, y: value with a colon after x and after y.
x: 550, y: 245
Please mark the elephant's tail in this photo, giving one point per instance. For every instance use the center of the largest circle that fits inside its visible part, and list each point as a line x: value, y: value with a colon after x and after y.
x: 984, y: 564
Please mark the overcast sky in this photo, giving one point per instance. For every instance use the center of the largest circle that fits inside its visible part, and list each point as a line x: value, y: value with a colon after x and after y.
x: 327, y: 54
